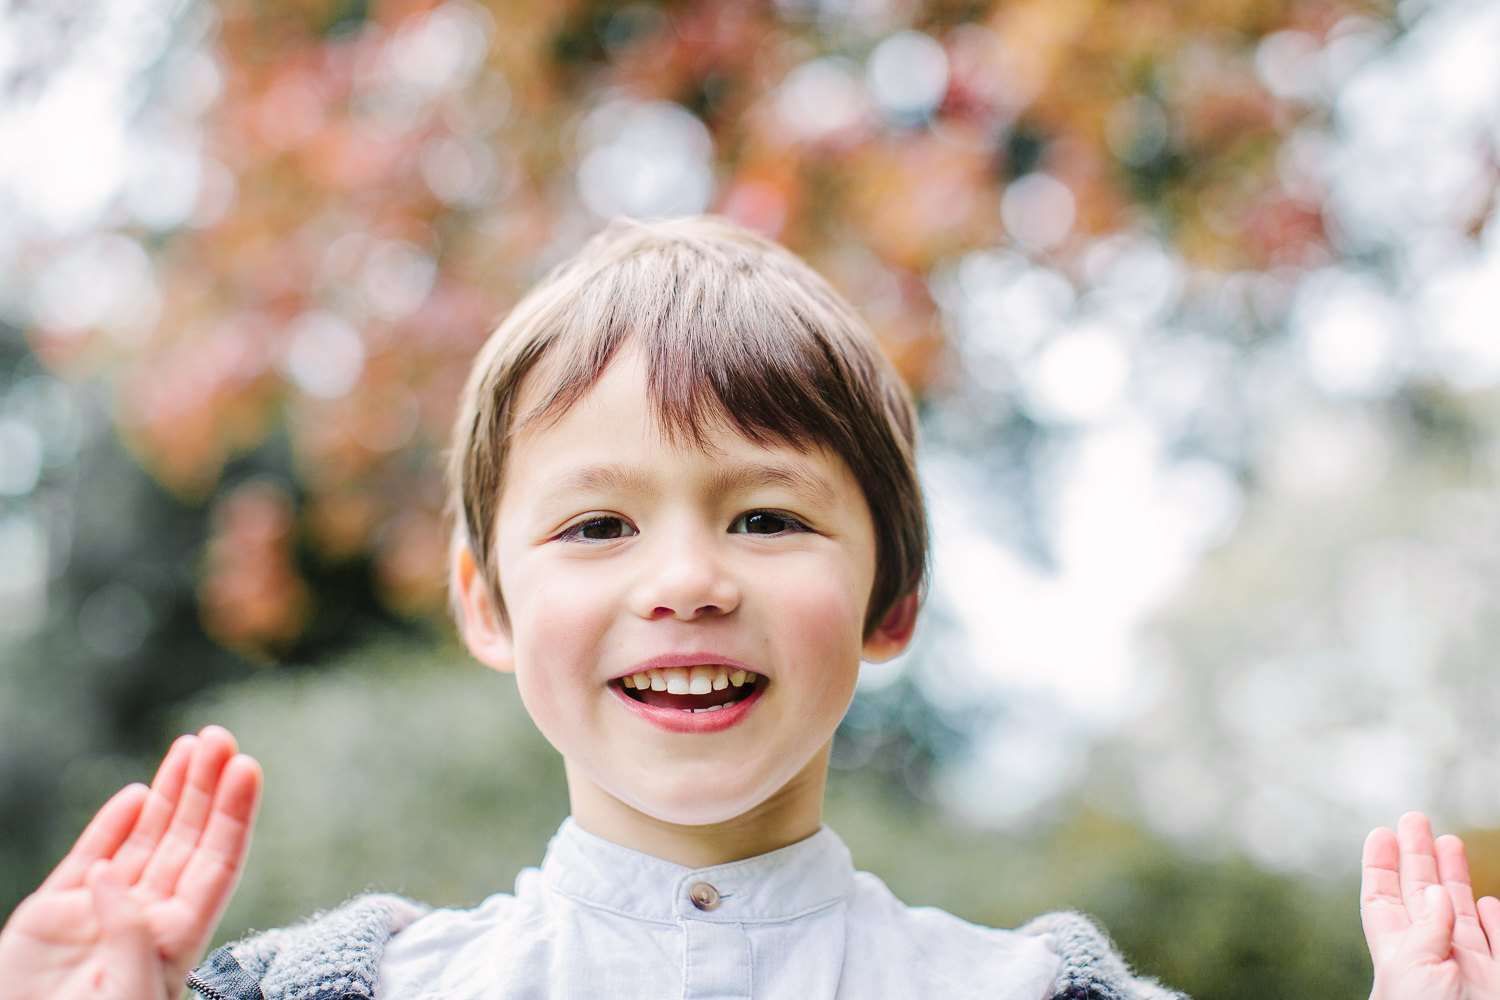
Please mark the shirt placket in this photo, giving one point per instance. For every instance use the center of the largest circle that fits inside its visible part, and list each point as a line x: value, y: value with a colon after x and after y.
x: 715, y: 953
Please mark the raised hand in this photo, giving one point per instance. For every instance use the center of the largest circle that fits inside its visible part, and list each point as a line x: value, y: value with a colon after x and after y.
x: 131, y: 907
x: 1428, y: 938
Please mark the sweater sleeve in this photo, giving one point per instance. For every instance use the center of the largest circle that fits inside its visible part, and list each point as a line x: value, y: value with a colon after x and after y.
x: 333, y: 956
x: 1090, y: 968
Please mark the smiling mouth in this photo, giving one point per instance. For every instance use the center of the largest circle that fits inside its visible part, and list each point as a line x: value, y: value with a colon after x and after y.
x: 707, y: 688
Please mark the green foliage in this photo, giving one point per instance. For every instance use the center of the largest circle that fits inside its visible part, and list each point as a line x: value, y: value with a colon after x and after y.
x: 81, y: 690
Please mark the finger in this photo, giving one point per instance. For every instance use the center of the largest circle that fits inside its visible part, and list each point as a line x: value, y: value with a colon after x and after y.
x: 1418, y: 859
x: 126, y: 951
x: 1381, y: 908
x: 166, y: 788
x: 1489, y: 919
x: 215, y: 747
x: 1453, y: 869
x: 211, y: 873
x: 101, y: 838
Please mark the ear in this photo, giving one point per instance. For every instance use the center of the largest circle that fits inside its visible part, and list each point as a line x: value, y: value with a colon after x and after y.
x: 894, y: 632
x: 487, y: 639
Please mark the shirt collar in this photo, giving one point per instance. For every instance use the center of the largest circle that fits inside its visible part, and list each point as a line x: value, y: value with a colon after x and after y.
x: 802, y: 877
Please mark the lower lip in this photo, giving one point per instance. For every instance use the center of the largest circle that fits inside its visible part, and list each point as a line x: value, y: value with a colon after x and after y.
x: 677, y: 721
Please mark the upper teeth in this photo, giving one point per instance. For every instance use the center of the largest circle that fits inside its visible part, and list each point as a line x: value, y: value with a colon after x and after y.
x: 689, y: 680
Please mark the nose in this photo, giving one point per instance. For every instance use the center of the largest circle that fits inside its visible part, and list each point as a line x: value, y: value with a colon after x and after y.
x: 685, y: 579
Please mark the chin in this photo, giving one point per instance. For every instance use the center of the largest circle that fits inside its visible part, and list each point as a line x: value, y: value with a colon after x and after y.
x: 700, y: 813
x: 702, y: 798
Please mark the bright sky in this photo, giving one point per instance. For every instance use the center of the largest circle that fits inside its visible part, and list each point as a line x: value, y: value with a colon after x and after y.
x: 1413, y: 147
x: 65, y: 149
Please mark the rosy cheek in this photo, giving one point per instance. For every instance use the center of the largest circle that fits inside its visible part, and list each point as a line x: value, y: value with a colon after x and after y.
x: 821, y: 624
x: 557, y: 638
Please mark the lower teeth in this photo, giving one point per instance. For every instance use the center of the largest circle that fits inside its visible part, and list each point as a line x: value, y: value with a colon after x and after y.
x: 711, y: 708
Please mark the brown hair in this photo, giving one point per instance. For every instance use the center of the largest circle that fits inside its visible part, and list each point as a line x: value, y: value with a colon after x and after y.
x: 733, y: 327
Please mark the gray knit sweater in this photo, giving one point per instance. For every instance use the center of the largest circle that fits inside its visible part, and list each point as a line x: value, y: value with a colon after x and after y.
x: 336, y: 956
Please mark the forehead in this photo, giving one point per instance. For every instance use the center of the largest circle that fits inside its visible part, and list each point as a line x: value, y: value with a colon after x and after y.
x: 615, y: 438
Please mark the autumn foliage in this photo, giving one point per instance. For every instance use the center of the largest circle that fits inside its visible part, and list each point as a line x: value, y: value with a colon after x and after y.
x: 380, y: 184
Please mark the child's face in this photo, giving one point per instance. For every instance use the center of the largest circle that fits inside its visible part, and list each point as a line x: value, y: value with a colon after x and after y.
x: 622, y: 554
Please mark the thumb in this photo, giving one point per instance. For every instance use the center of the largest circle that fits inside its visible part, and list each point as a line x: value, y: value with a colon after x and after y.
x: 127, y: 955
x: 1431, y: 934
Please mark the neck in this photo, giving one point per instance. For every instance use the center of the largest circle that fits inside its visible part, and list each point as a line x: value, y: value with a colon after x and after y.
x: 794, y: 813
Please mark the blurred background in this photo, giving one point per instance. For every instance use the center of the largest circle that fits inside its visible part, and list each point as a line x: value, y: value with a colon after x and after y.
x: 1201, y: 300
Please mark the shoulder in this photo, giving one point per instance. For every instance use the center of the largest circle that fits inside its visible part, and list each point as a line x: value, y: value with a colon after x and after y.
x: 895, y: 950
x: 1062, y: 956
x: 334, y: 954
x: 1089, y: 966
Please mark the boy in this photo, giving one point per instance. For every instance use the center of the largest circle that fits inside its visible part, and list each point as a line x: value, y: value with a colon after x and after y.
x: 688, y: 508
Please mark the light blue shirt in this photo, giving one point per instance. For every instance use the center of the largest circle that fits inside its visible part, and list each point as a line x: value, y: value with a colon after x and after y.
x: 601, y: 921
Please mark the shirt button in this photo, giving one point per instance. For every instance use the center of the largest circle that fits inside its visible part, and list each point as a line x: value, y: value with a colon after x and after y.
x: 704, y: 896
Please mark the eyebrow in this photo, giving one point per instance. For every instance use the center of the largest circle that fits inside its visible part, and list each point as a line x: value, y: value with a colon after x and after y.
x: 598, y: 478
x: 804, y: 483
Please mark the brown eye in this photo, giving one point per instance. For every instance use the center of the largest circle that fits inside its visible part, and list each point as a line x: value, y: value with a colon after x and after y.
x: 764, y: 522
x: 603, y: 529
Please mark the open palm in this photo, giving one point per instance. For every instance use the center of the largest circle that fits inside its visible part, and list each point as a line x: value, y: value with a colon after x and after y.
x: 128, y: 911
x: 1428, y: 938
